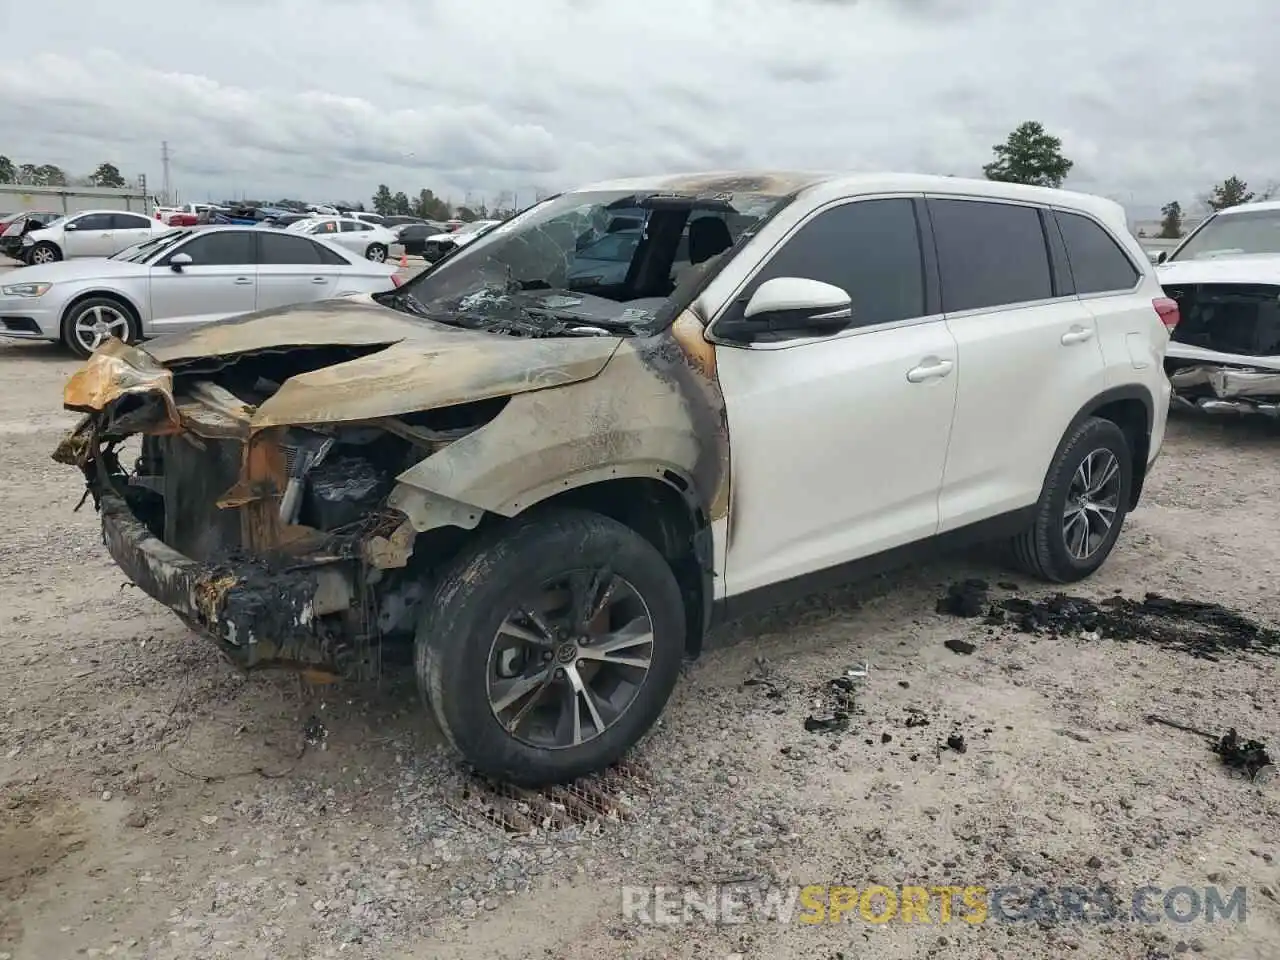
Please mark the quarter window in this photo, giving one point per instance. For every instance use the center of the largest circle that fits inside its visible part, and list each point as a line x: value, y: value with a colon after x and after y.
x: 1098, y: 264
x: 868, y: 248
x: 989, y: 254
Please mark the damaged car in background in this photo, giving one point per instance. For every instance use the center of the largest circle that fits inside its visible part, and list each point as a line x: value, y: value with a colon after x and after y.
x: 1225, y: 277
x: 515, y: 468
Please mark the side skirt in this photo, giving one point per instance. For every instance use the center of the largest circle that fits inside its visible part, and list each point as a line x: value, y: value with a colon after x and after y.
x: 765, y: 598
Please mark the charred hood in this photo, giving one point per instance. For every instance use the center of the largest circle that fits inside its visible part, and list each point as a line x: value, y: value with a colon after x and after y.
x: 372, y: 362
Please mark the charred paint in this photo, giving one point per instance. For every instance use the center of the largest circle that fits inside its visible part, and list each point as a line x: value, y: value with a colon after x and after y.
x: 774, y: 183
x: 117, y: 370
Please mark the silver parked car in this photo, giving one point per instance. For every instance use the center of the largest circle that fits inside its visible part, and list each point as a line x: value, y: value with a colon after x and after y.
x: 182, y: 279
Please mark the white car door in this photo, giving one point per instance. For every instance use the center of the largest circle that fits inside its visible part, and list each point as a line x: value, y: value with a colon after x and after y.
x: 220, y: 282
x: 293, y: 268
x: 1030, y: 357
x: 89, y: 235
x: 128, y: 229
x: 355, y: 235
x: 838, y: 442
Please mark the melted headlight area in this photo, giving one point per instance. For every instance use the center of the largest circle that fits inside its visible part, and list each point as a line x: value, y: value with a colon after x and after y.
x: 280, y: 542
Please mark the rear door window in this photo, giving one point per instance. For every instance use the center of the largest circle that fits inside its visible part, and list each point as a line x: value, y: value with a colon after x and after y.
x: 280, y: 249
x: 126, y: 221
x: 1098, y: 264
x: 989, y: 254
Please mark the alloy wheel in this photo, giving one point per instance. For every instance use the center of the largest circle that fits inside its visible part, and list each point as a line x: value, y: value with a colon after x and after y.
x: 566, y: 664
x: 43, y: 255
x: 1093, y: 501
x: 98, y: 323
x: 377, y: 254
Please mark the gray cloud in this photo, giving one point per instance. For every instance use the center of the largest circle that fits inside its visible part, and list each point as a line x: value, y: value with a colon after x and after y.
x: 331, y: 97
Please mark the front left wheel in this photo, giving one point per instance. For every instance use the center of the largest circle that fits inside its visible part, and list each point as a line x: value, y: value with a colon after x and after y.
x: 550, y: 648
x: 91, y: 322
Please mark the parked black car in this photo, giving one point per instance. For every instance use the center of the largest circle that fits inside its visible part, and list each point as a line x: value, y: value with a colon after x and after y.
x: 414, y: 236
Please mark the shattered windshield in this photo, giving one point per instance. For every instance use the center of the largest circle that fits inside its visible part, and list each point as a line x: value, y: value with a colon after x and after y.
x: 1233, y: 235
x: 582, y: 263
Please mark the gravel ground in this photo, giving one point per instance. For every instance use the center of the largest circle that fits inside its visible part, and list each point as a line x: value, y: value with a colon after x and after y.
x: 154, y: 803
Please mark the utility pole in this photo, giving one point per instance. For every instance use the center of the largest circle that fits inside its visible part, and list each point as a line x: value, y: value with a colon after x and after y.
x: 164, y: 165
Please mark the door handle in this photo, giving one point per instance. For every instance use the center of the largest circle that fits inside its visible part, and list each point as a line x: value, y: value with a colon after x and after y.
x: 243, y: 281
x: 319, y: 279
x: 1075, y: 335
x: 931, y: 368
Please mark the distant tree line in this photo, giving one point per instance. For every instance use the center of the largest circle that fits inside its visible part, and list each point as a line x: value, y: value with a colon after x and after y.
x: 428, y: 206
x: 50, y: 175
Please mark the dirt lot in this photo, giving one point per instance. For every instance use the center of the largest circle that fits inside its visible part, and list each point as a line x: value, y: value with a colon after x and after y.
x: 153, y: 803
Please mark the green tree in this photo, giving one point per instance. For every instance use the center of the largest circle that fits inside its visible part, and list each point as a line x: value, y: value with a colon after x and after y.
x: 1171, y: 225
x: 400, y: 204
x: 42, y: 175
x: 1229, y: 193
x: 7, y: 170
x: 107, y: 175
x: 383, y: 202
x: 1031, y: 156
x: 430, y: 207
x: 466, y: 213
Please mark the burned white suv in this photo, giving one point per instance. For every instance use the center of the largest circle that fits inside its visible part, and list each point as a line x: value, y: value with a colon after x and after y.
x: 551, y: 481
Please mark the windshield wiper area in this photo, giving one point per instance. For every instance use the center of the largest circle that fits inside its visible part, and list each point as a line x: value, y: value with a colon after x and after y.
x: 578, y: 325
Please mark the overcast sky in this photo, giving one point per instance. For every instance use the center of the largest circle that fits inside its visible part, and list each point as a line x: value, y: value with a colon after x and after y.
x: 328, y: 98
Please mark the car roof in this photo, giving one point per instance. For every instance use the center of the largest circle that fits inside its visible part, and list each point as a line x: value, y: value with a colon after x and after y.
x: 781, y: 183
x: 1258, y: 206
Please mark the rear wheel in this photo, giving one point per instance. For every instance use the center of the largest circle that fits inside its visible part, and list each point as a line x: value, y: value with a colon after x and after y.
x: 89, y: 323
x: 44, y: 252
x: 1082, y: 507
x: 549, y: 650
x: 376, y: 252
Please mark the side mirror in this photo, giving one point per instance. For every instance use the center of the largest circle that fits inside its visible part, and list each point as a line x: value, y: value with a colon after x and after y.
x: 1164, y: 255
x: 71, y: 226
x: 178, y: 261
x: 798, y: 304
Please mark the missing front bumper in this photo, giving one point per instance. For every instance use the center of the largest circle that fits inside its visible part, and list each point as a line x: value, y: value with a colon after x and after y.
x: 257, y: 618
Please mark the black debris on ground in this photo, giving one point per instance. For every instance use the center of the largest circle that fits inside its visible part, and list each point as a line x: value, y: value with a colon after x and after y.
x: 967, y: 598
x: 1249, y: 756
x: 956, y: 743
x: 835, y: 704
x: 1203, y: 630
x: 956, y: 645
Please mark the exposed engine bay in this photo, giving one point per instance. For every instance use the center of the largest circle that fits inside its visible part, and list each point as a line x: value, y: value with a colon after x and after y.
x: 280, y: 542
x: 1225, y: 352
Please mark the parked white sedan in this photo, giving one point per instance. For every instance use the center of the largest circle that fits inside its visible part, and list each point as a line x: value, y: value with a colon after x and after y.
x: 369, y: 240
x: 185, y: 278
x: 93, y: 233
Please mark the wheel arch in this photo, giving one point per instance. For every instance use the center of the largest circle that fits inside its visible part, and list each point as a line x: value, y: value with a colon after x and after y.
x: 659, y: 505
x: 108, y: 294
x: 1132, y: 408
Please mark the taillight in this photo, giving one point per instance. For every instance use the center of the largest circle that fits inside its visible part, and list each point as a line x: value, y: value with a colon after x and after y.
x: 397, y: 280
x: 1167, y: 309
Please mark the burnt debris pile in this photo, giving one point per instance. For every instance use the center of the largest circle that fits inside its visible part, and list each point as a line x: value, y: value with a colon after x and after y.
x: 1249, y: 756
x: 1203, y: 630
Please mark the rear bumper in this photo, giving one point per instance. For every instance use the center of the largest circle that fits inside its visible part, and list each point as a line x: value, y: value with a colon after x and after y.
x: 258, y: 618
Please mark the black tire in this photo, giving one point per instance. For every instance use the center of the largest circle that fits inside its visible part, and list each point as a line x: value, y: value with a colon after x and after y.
x: 44, y: 252
x: 376, y: 252
x: 1042, y: 550
x: 105, y: 305
x: 472, y: 599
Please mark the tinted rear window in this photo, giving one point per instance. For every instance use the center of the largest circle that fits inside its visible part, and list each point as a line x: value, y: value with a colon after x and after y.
x: 1097, y: 262
x: 989, y: 254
